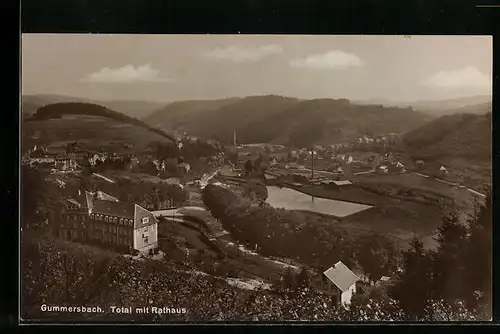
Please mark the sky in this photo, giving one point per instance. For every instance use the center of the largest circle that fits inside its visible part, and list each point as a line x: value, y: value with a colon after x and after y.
x: 167, y: 68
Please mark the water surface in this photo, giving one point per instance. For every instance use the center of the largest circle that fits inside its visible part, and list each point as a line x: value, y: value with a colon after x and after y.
x: 294, y: 200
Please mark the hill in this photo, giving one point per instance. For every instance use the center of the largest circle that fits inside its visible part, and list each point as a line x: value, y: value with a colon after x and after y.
x: 451, y: 103
x: 461, y: 142
x: 478, y: 109
x: 459, y: 135
x: 31, y: 103
x: 92, y: 124
x: 479, y: 104
x: 176, y: 114
x: 285, y: 120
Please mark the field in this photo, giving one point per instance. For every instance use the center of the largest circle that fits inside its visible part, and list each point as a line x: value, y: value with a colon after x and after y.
x: 462, y: 198
x: 475, y: 173
x: 405, y: 204
x: 94, y: 132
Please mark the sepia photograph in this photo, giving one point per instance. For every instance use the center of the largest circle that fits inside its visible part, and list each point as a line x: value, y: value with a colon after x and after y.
x: 256, y: 178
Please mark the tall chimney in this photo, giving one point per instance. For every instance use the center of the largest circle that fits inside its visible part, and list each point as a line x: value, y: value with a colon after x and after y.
x: 234, y: 139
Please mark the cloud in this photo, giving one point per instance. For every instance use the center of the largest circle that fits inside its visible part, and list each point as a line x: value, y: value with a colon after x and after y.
x: 126, y: 74
x: 240, y: 54
x: 330, y: 60
x: 467, y: 77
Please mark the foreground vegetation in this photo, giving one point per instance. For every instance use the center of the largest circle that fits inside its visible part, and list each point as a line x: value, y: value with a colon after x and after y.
x: 458, y: 271
x: 277, y: 232
x: 450, y: 284
x: 62, y: 273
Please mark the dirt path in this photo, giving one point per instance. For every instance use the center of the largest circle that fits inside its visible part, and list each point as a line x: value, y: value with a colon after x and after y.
x: 103, y: 177
x: 450, y: 183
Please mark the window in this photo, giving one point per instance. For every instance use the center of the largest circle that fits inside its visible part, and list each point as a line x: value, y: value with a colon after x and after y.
x: 153, y: 227
x: 146, y: 240
x: 115, y: 220
x: 145, y: 220
x: 121, y: 221
x: 105, y: 218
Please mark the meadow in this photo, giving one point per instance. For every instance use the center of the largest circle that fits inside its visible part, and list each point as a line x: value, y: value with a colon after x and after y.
x: 92, y: 131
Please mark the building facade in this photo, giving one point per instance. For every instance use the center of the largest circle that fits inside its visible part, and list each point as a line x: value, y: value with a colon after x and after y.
x: 99, y: 218
x: 339, y: 282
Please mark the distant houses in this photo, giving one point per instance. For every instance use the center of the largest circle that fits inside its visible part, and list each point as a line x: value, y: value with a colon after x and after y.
x: 337, y: 184
x: 65, y: 162
x: 183, y: 168
x: 383, y: 169
x: 443, y: 171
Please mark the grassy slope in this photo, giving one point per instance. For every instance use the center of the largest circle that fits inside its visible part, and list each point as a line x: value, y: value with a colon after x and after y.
x: 462, y: 142
x: 30, y: 104
x: 95, y: 125
x: 94, y: 132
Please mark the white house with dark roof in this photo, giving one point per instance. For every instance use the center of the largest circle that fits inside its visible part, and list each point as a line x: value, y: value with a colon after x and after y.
x: 97, y: 217
x: 339, y: 282
x: 443, y: 170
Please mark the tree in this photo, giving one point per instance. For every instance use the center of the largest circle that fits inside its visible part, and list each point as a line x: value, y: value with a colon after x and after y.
x: 412, y: 289
x: 448, y: 261
x: 248, y: 167
x: 303, y: 278
x: 479, y: 256
x: 290, y: 280
x: 377, y: 256
x: 40, y: 200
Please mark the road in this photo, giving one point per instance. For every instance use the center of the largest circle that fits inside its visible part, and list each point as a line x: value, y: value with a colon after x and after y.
x: 218, y: 231
x: 451, y: 184
x: 166, y: 213
x: 103, y: 177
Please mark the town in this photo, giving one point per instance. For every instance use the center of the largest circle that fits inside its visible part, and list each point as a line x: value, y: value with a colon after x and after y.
x: 255, y: 208
x: 92, y: 216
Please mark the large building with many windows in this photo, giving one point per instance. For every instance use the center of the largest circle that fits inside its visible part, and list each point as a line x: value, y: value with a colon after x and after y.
x: 99, y: 218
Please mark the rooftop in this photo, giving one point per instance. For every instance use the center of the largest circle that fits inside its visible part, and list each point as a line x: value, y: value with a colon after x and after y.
x: 119, y: 209
x: 342, y: 183
x: 105, y: 197
x: 341, y: 276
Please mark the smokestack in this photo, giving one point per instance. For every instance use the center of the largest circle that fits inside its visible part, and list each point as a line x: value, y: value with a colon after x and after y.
x: 234, y: 139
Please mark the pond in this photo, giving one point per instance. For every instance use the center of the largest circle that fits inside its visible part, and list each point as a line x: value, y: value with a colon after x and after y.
x: 294, y: 200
